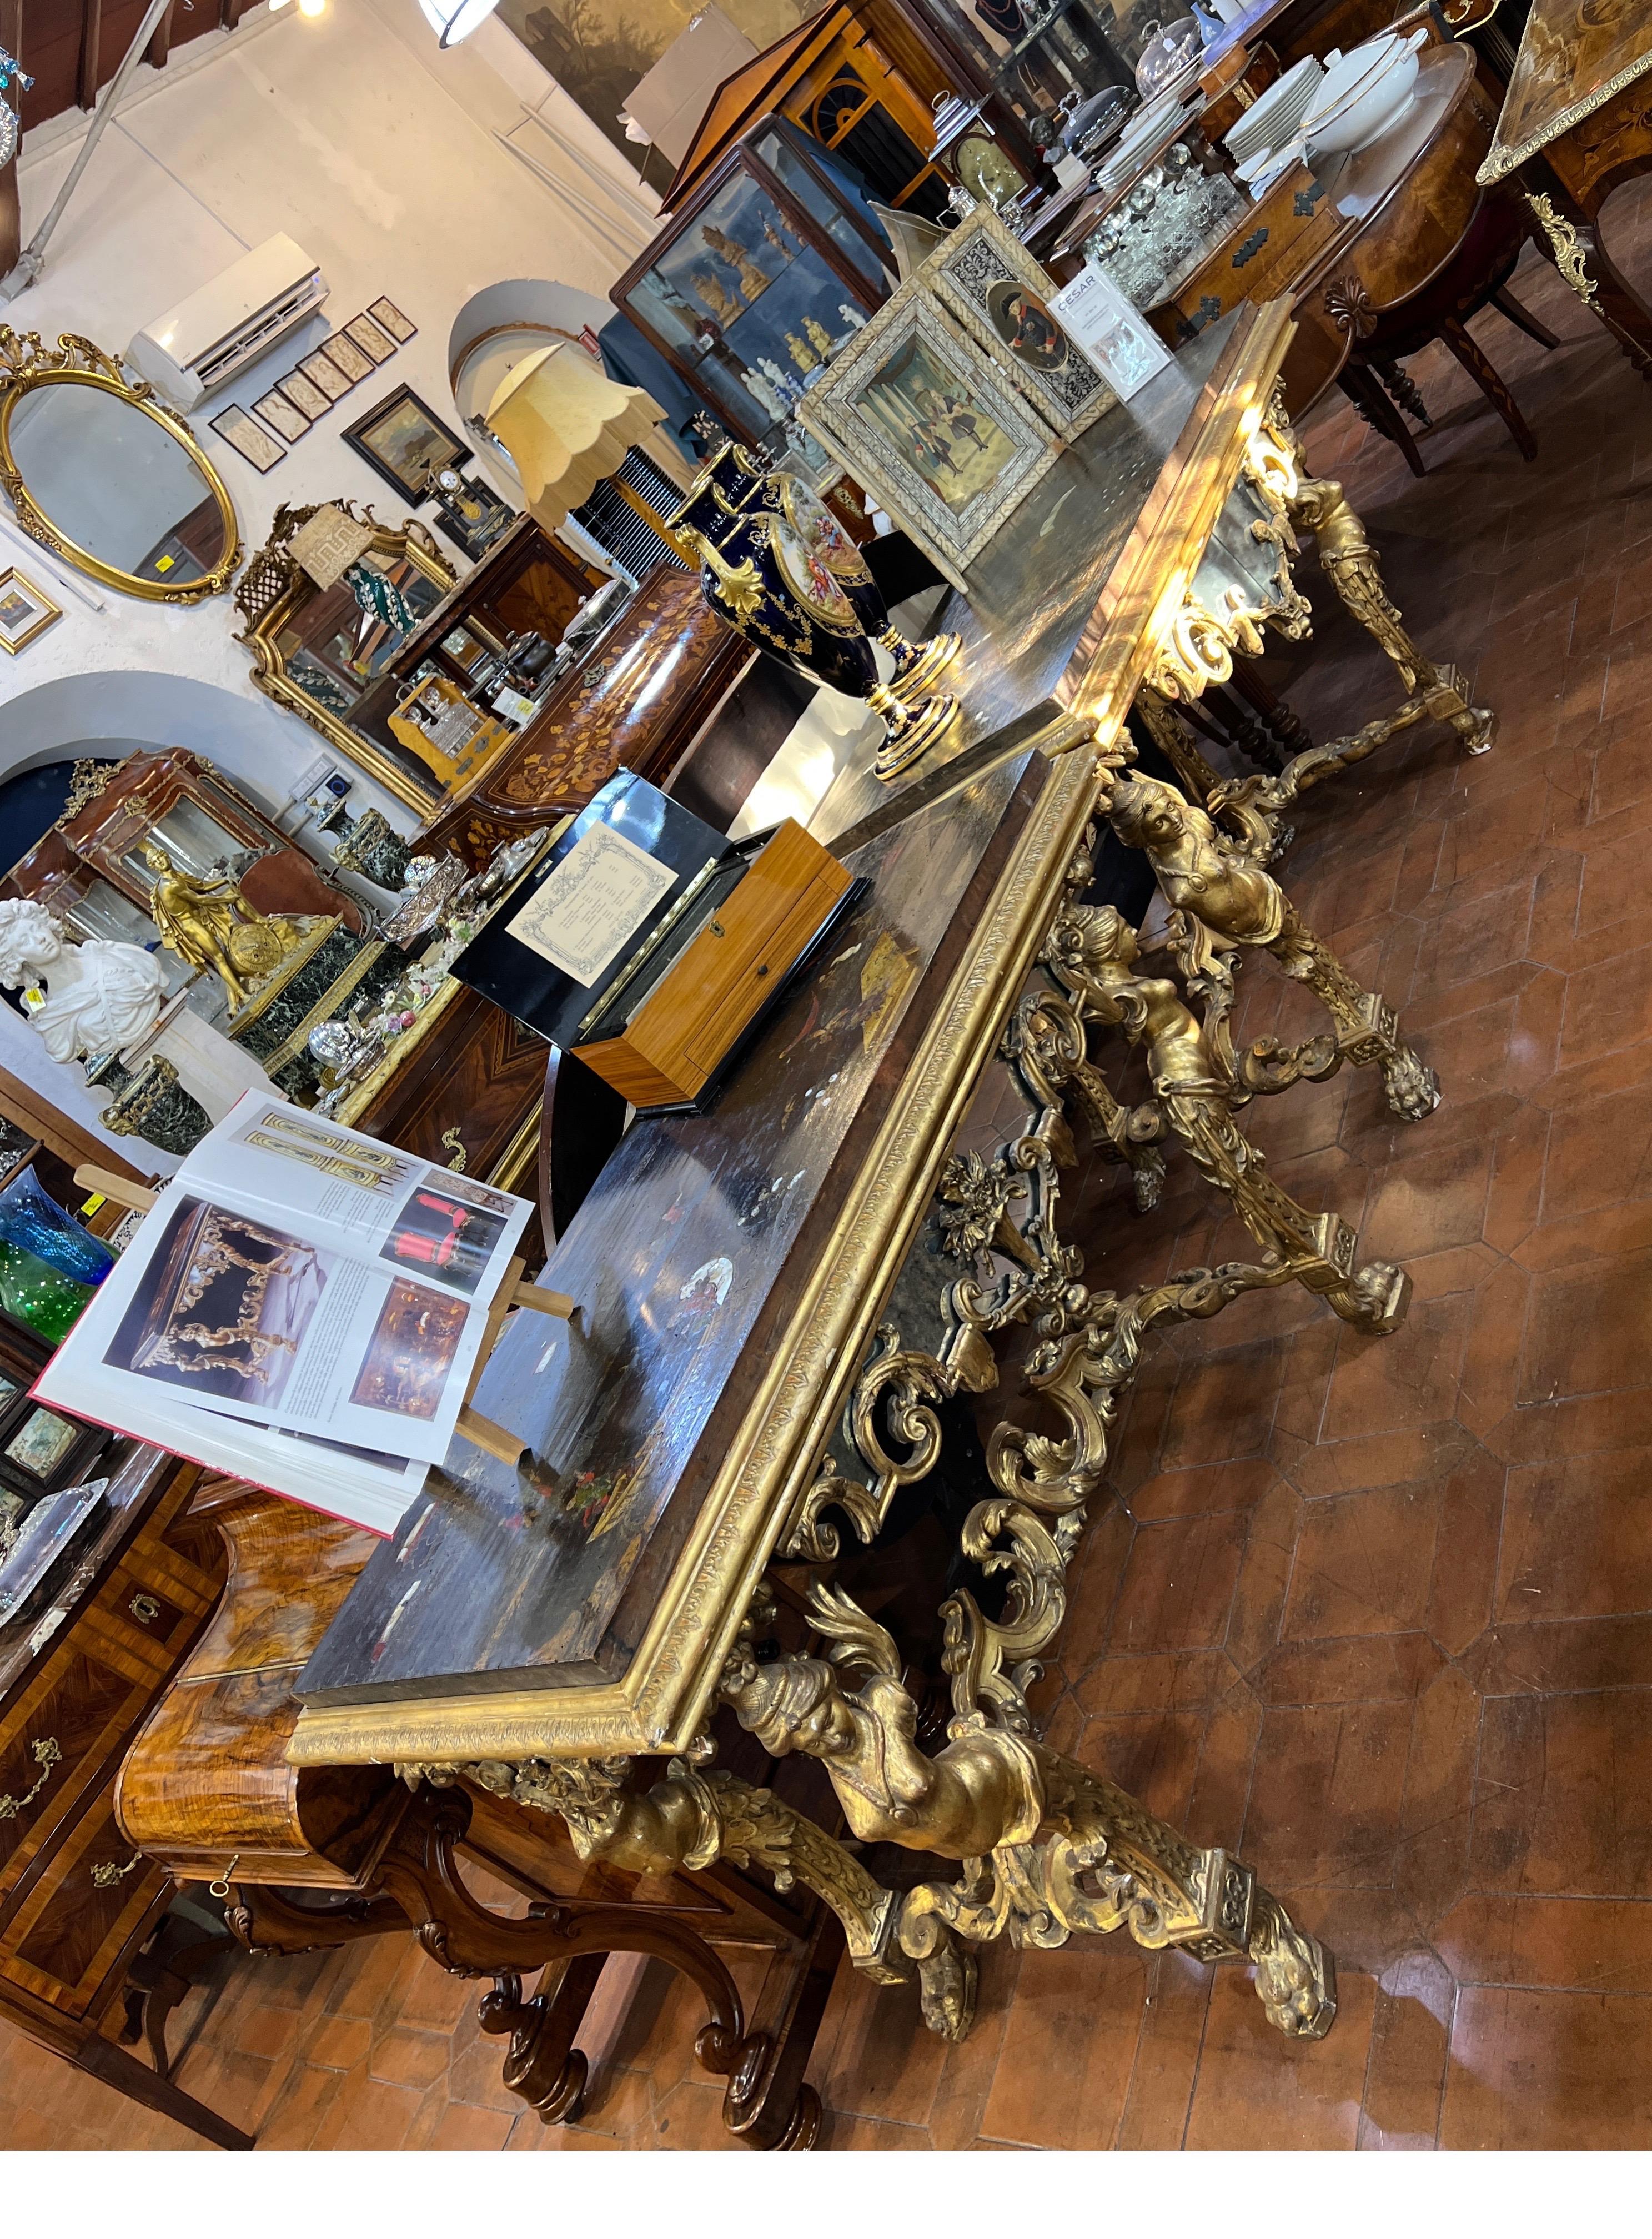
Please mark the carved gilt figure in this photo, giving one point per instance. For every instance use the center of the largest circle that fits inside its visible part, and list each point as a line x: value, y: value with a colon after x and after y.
x: 751, y: 275
x: 211, y: 925
x: 1237, y: 905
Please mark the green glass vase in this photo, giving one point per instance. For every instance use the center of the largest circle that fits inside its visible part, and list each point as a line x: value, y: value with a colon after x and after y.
x: 39, y: 1297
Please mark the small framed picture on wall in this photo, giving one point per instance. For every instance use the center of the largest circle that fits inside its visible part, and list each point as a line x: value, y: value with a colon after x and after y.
x: 25, y: 611
x: 329, y: 378
x: 298, y: 388
x: 371, y: 340
x: 242, y: 434
x: 277, y: 412
x: 352, y: 360
x: 396, y: 323
x: 403, y: 438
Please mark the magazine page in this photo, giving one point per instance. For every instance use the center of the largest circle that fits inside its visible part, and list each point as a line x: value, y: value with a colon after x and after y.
x: 372, y: 1490
x: 357, y: 1196
x: 213, y: 1307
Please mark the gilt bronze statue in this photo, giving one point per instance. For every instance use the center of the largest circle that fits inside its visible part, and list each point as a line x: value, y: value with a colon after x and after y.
x: 210, y: 924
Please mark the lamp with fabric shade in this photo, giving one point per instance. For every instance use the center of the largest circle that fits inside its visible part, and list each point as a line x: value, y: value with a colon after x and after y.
x: 567, y: 426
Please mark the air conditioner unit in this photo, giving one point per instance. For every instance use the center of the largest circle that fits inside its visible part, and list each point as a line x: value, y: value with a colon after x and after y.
x: 204, y: 341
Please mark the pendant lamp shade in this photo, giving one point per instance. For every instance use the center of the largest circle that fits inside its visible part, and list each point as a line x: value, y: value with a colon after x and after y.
x: 452, y: 20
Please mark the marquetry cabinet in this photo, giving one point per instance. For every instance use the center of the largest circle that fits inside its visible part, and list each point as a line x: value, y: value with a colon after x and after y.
x: 81, y: 1664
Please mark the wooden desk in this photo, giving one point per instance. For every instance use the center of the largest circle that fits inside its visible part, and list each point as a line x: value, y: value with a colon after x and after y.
x: 80, y: 1665
x: 1576, y: 125
x: 762, y: 1423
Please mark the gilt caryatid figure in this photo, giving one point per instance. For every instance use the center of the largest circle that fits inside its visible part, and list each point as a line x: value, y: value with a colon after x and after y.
x: 210, y: 924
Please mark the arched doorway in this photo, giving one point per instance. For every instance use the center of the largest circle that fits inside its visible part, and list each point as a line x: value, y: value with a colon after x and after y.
x: 264, y: 752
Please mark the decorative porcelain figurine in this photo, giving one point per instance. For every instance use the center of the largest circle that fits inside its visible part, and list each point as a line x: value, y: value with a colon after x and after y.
x: 769, y: 398
x: 759, y: 573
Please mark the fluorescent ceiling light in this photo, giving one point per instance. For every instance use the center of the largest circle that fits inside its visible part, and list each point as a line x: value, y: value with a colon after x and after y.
x: 455, y: 19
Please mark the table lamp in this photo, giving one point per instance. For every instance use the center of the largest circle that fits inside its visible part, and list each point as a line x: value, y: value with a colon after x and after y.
x: 567, y: 426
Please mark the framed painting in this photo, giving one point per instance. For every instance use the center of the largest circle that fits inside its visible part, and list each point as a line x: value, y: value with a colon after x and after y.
x: 931, y: 428
x: 403, y: 439
x: 25, y: 611
x: 1000, y: 296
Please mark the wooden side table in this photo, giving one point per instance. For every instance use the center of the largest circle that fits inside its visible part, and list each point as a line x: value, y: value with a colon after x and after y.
x: 1576, y: 125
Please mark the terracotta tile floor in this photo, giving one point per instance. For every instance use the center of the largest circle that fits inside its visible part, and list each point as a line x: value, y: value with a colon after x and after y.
x: 1377, y: 1613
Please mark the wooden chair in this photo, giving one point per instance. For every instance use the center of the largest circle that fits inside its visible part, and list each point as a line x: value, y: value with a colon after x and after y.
x: 1476, y: 274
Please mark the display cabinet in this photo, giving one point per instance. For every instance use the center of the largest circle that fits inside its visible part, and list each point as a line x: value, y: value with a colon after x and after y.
x: 83, y: 1660
x: 40, y: 1450
x: 758, y: 280
x: 356, y: 660
x: 91, y: 867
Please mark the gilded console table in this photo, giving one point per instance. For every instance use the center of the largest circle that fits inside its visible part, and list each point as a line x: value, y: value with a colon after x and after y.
x: 785, y: 1349
x: 1577, y: 124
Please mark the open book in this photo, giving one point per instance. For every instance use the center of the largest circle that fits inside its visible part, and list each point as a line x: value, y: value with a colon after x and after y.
x: 303, y: 1307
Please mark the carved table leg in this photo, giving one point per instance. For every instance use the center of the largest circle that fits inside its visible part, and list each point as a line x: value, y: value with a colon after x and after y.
x: 1366, y: 394
x: 1279, y: 714
x: 1367, y: 1024
x: 1048, y: 1849
x: 1401, y: 387
x: 1571, y: 241
x: 1348, y: 558
x: 688, y: 1819
x: 1107, y: 1863
x: 542, y: 2066
x: 1491, y: 384
x: 1225, y: 900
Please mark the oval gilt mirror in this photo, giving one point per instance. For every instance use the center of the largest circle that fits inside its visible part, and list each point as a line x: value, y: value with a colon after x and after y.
x: 107, y: 476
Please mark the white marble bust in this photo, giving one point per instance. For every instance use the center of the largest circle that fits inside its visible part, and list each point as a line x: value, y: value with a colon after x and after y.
x: 99, y: 994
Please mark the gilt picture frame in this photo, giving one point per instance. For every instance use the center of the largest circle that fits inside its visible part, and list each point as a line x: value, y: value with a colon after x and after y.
x: 25, y: 611
x: 931, y: 427
x: 1000, y: 296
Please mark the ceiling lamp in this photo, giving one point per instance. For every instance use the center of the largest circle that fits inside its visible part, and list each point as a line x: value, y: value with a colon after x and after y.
x: 455, y: 19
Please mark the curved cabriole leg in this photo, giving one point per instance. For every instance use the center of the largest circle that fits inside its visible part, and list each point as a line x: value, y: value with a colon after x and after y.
x: 1349, y: 560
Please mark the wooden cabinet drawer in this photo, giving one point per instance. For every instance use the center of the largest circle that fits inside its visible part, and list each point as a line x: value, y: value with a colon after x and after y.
x: 62, y: 1939
x: 63, y: 1737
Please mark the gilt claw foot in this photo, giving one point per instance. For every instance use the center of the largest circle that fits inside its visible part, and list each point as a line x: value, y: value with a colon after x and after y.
x: 1381, y: 1294
x: 1296, y: 1977
x: 1412, y: 1088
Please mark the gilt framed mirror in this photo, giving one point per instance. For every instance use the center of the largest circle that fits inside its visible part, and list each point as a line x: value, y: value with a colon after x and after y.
x: 332, y: 653
x: 109, y: 478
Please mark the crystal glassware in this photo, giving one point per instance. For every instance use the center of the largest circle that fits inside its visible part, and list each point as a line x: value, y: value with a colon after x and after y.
x: 36, y: 1222
x: 39, y: 1296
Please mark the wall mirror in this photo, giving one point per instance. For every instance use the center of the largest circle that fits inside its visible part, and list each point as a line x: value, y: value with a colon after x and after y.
x: 334, y: 655
x: 103, y: 474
